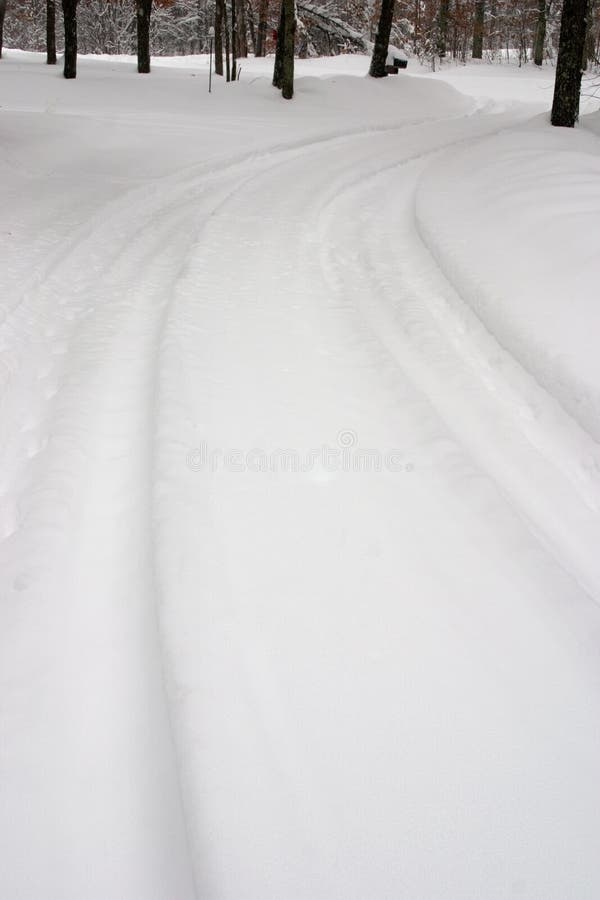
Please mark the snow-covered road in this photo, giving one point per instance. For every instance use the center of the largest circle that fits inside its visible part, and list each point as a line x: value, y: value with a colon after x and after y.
x: 297, y: 580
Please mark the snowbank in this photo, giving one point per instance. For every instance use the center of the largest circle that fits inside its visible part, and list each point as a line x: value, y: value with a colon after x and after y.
x: 504, y: 84
x: 514, y: 222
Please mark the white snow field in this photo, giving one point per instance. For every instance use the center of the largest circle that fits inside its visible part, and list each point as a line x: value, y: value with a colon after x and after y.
x: 299, y: 486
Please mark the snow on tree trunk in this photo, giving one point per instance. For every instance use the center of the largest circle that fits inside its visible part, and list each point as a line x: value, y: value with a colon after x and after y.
x: 70, y: 22
x: 478, y: 28
x: 382, y: 40
x: 333, y: 26
x: 567, y: 86
x: 251, y: 26
x: 143, y: 11
x: 50, y: 32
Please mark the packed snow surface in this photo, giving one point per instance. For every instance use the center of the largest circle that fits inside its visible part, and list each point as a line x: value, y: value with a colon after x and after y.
x: 299, y: 486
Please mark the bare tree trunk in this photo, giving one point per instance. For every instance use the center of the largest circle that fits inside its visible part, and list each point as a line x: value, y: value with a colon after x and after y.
x: 443, y: 16
x: 589, y: 47
x: 567, y: 86
x: 242, y: 36
x: 382, y: 40
x: 540, y: 34
x: 416, y: 25
x: 478, y: 28
x: 2, y: 14
x: 70, y: 20
x: 227, y: 41
x: 493, y: 29
x: 234, y: 40
x: 251, y: 25
x: 219, y: 4
x: 278, y: 67
x: 143, y: 11
x: 289, y: 36
x: 261, y: 34
x: 50, y: 32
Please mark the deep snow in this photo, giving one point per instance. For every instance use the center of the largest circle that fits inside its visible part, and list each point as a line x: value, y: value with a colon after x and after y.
x: 299, y: 496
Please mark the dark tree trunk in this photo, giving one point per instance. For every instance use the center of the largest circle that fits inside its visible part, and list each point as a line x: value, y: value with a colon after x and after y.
x: 143, y: 10
x: 289, y: 37
x: 567, y: 86
x: 50, y: 32
x: 278, y: 67
x: 540, y: 34
x: 227, y: 42
x: 261, y: 34
x: 382, y: 40
x: 234, y: 40
x: 70, y: 20
x: 478, y: 28
x: 2, y: 14
x: 443, y: 17
x: 219, y: 4
x: 242, y: 36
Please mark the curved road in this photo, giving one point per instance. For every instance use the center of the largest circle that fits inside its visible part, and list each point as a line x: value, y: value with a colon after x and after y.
x: 292, y: 624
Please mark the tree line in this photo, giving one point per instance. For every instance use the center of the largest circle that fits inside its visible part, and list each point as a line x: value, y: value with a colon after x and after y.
x: 431, y: 30
x: 428, y: 29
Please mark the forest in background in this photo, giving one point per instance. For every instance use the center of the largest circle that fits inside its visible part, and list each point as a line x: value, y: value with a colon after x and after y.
x: 427, y: 29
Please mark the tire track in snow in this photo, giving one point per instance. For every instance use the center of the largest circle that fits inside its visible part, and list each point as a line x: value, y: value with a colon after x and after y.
x: 274, y: 586
x: 175, y: 385
x: 92, y: 445
x: 112, y: 367
x: 178, y: 185
x: 97, y: 465
x: 477, y: 387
